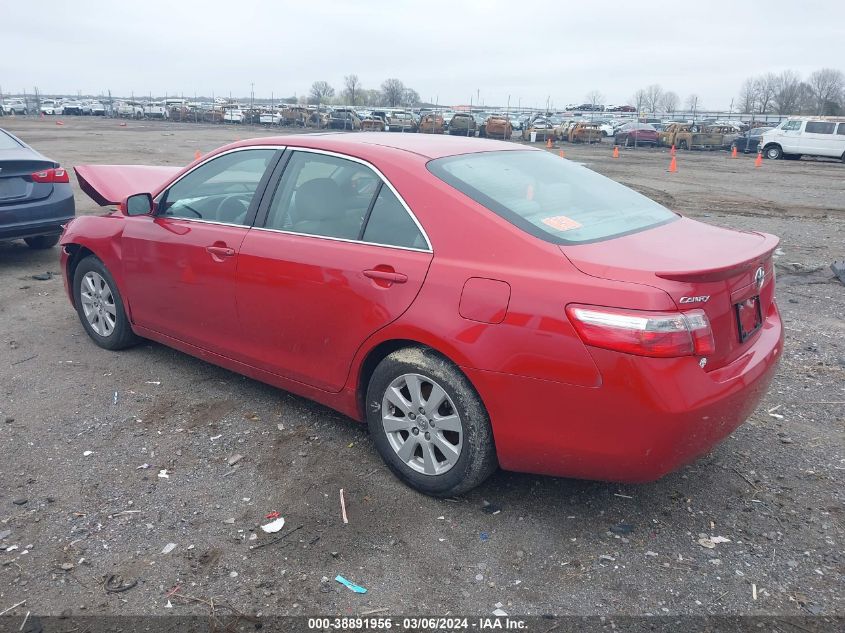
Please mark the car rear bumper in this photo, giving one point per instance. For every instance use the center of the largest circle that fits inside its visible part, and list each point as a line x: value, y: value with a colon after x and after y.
x: 41, y: 217
x: 649, y: 417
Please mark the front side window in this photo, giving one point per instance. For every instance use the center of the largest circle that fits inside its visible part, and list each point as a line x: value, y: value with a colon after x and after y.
x: 820, y: 127
x: 792, y: 125
x: 550, y: 198
x: 841, y: 129
x: 220, y: 190
x: 323, y: 195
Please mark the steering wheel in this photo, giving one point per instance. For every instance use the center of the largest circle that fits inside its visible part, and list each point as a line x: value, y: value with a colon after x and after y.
x: 241, y: 214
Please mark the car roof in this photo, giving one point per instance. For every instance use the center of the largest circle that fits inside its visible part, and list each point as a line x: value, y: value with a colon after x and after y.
x: 378, y: 144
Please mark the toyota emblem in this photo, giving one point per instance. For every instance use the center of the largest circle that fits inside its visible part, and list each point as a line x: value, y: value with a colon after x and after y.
x: 759, y: 277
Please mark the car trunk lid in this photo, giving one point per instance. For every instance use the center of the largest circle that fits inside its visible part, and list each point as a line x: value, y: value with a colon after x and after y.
x: 16, y: 183
x: 111, y: 184
x: 700, y: 267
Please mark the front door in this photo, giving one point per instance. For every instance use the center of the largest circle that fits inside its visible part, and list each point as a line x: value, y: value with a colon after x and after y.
x: 179, y: 265
x: 338, y: 257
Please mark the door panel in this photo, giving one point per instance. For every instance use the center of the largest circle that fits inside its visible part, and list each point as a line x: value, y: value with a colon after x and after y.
x: 306, y: 303
x: 180, y: 279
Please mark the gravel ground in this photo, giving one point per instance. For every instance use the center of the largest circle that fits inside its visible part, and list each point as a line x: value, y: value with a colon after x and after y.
x: 86, y: 435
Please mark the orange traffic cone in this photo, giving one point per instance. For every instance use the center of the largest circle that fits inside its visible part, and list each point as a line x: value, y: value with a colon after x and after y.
x: 672, y: 151
x: 562, y: 154
x: 759, y: 160
x: 673, y: 166
x: 549, y: 142
x: 122, y: 124
x: 197, y: 155
x: 59, y: 123
x: 733, y: 151
x: 615, y: 151
x: 42, y: 115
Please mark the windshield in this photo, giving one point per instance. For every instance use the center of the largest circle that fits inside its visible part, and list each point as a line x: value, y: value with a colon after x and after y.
x: 553, y: 199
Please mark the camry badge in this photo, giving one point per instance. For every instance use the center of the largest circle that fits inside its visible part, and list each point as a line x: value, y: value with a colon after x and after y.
x: 759, y: 277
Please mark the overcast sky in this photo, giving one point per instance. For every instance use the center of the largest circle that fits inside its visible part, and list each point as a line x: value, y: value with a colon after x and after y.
x: 446, y: 51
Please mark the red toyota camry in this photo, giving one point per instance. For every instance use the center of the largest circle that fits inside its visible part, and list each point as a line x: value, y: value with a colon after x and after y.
x: 477, y: 303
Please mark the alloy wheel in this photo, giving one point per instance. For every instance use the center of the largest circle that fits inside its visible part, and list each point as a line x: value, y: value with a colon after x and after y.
x: 422, y: 424
x: 98, y: 303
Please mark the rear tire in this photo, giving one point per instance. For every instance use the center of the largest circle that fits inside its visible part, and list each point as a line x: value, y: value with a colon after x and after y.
x: 429, y: 424
x: 41, y: 242
x: 100, y: 307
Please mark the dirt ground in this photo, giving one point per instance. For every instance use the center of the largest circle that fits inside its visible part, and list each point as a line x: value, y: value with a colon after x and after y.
x: 84, y: 434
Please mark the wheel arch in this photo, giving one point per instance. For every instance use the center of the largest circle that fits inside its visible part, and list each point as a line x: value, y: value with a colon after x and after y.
x: 76, y: 253
x: 382, y: 349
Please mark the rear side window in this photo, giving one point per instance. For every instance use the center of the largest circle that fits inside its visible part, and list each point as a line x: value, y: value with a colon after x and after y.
x: 550, y: 198
x: 820, y: 127
x: 390, y: 224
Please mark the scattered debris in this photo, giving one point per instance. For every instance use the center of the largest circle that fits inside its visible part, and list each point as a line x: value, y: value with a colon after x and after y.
x: 87, y: 453
x: 277, y: 540
x: 43, y: 276
x: 753, y: 591
x: 168, y: 548
x: 234, y: 459
x: 143, y: 467
x: 20, y: 502
x: 371, y: 611
x: 273, y: 515
x: 274, y: 526
x: 617, y: 494
x: 343, y: 507
x: 114, y: 583
x: 650, y: 553
x: 484, y: 536
x: 838, y: 269
x: 13, y: 607
x: 5, y: 534
x: 163, y: 474
x: 66, y: 566
x: 622, y: 528
x: 607, y: 558
x: 499, y: 612
x: 712, y: 541
x: 350, y: 585
x: 230, y: 521
x: 216, y: 437
x: 489, y: 508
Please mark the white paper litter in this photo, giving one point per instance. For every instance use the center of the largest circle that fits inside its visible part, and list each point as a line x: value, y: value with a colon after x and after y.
x: 274, y: 526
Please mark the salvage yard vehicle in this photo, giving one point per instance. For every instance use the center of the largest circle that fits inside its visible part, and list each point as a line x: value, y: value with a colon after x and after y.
x: 49, y: 107
x: 400, y: 121
x: 542, y: 129
x: 294, y: 115
x: 585, y: 132
x: 72, y: 107
x: 15, y: 106
x: 156, y: 110
x: 324, y: 265
x: 695, y: 136
x: 748, y: 142
x: 129, y: 110
x: 636, y: 134
x: 805, y: 136
x: 36, y: 197
x: 497, y: 126
x: 431, y: 123
x: 344, y: 119
x: 373, y: 122
x: 462, y: 124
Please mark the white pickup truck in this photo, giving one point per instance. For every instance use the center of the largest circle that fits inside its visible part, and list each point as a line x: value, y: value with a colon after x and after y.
x: 157, y: 110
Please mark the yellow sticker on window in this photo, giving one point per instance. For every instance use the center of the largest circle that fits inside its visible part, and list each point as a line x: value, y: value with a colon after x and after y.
x: 561, y: 223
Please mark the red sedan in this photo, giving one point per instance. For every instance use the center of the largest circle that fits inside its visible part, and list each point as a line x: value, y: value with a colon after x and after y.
x: 477, y: 303
x: 636, y: 134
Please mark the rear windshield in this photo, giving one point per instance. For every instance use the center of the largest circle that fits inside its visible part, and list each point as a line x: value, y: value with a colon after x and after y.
x: 7, y: 142
x: 549, y: 197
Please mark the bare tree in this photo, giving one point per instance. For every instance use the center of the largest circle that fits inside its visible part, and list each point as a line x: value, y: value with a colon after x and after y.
x: 787, y: 92
x: 410, y: 97
x: 827, y: 85
x: 393, y: 90
x: 594, y: 98
x: 638, y: 100
x: 352, y: 89
x: 806, y: 99
x: 693, y: 103
x: 653, y: 97
x: 670, y: 101
x: 320, y: 91
x: 748, y: 95
x: 765, y: 87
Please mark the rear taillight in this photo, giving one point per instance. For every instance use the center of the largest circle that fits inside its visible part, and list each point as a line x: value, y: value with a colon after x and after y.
x: 50, y: 175
x: 660, y: 334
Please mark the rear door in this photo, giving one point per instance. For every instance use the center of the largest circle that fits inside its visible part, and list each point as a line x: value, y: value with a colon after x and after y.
x: 179, y: 265
x: 338, y: 256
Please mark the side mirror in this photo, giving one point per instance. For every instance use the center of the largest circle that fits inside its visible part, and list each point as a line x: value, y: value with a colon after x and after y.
x: 139, y: 204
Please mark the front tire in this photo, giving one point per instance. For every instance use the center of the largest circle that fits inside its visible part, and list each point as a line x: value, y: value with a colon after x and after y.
x: 41, y: 242
x: 774, y: 152
x: 100, y: 307
x: 429, y: 424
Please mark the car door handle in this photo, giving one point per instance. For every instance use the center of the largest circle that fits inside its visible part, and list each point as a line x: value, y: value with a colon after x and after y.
x: 386, y: 275
x: 221, y: 251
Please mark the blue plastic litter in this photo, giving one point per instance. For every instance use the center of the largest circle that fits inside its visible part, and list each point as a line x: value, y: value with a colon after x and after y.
x: 350, y: 585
